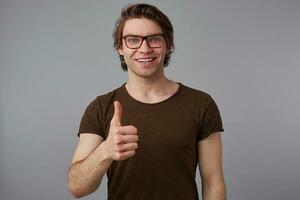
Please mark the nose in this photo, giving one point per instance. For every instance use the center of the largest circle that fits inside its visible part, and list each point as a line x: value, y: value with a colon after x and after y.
x: 144, y: 48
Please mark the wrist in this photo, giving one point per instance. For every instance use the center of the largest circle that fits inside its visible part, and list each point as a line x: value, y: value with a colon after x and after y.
x: 104, y: 152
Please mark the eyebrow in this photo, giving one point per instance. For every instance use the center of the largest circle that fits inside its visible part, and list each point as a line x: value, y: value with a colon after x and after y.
x: 142, y: 35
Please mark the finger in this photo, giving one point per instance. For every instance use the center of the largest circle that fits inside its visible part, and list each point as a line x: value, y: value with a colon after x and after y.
x: 127, y: 154
x: 127, y: 147
x: 117, y: 117
x: 127, y: 130
x: 128, y: 139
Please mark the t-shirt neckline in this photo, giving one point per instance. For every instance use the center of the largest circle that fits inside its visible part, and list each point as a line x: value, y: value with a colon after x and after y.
x: 151, y: 104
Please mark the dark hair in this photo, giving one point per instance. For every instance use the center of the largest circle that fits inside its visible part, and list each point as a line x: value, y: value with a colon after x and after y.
x: 150, y: 12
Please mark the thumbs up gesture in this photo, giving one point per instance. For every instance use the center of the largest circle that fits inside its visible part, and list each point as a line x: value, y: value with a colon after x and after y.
x: 121, y: 142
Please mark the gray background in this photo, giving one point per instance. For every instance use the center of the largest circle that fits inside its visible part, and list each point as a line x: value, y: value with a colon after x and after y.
x: 57, y: 56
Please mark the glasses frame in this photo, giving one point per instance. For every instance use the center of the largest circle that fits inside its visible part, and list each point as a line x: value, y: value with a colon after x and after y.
x: 143, y: 38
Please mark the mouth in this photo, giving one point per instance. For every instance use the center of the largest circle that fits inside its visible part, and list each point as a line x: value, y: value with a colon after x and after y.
x: 147, y: 60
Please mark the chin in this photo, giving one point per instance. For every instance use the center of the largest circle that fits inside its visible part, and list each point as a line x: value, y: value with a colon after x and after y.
x: 145, y: 73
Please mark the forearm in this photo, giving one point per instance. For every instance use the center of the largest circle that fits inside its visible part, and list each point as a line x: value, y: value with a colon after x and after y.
x: 214, y: 191
x: 84, y: 177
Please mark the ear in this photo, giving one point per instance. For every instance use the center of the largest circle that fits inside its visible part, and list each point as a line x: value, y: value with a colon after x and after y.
x: 120, y: 51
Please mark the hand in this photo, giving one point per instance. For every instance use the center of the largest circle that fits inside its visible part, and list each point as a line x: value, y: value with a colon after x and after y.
x: 121, y: 142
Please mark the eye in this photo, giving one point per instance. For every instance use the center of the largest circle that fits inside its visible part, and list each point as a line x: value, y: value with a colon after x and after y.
x: 155, y: 39
x: 132, y: 39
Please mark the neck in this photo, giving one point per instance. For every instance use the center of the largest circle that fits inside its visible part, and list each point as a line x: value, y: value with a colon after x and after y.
x: 150, y: 89
x: 147, y: 84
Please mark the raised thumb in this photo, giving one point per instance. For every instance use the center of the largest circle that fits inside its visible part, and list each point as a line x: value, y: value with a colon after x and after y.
x: 117, y: 117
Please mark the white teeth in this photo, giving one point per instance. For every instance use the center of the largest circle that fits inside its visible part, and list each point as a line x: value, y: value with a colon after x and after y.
x: 145, y: 59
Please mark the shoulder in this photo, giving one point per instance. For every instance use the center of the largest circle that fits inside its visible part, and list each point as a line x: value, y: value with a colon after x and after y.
x: 107, y: 96
x: 196, y: 94
x: 104, y: 100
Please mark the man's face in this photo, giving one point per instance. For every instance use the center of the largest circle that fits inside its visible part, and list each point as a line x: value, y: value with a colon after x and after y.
x: 143, y: 60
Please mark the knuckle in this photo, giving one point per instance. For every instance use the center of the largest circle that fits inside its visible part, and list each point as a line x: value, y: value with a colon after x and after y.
x: 132, y: 129
x: 118, y: 148
x: 117, y: 139
x: 118, y: 130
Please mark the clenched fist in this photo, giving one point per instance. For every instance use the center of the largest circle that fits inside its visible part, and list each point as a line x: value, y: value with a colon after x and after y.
x: 121, y: 142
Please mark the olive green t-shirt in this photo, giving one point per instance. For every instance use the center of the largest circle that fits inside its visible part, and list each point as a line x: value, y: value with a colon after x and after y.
x: 164, y: 166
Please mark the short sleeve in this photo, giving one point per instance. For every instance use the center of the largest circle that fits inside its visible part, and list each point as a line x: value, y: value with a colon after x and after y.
x: 91, y: 121
x: 211, y: 121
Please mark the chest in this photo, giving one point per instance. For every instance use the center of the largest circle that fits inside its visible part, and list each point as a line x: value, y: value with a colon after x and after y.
x: 168, y: 132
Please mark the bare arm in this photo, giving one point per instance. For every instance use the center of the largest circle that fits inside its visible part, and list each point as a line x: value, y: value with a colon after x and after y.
x: 89, y: 164
x: 210, y: 166
x: 93, y: 156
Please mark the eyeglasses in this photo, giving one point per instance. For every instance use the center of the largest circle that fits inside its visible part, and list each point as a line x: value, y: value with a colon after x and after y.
x: 136, y: 41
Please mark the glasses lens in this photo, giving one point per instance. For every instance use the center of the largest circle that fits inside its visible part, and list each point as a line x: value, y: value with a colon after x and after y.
x: 155, y: 41
x: 133, y: 41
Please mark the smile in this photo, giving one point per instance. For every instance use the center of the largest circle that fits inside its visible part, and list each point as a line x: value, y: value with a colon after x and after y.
x: 145, y: 60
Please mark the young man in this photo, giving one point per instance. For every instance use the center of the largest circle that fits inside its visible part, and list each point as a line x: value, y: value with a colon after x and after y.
x: 149, y: 134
